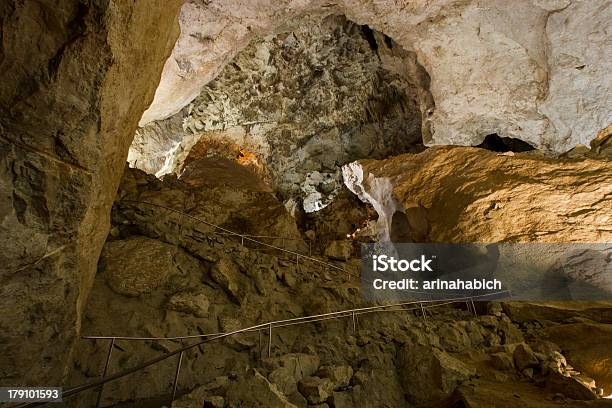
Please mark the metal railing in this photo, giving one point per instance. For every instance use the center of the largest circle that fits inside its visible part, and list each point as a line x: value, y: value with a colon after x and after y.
x: 267, y: 327
x: 353, y: 314
x: 245, y: 238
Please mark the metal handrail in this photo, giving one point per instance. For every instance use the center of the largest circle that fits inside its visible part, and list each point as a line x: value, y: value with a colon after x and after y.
x: 262, y: 236
x: 352, y: 313
x: 348, y: 313
x: 246, y: 237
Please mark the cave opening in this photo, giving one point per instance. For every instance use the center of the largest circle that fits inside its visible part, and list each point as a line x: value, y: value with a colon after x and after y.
x: 496, y: 143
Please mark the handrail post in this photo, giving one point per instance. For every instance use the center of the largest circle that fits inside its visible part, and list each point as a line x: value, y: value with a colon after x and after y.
x: 473, y: 307
x: 242, y: 240
x: 259, y: 332
x: 297, y: 262
x: 108, y: 356
x: 423, y: 313
x: 270, y: 340
x: 354, y: 323
x: 176, y: 376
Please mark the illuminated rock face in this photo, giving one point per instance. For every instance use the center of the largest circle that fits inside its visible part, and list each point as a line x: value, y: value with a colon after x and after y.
x: 304, y: 102
x: 534, y: 70
x: 75, y: 79
x: 474, y: 195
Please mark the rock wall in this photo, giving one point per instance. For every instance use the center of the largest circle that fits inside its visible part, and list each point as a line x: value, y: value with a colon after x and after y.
x: 75, y: 79
x: 474, y: 195
x: 167, y: 281
x: 305, y: 102
x: 530, y: 69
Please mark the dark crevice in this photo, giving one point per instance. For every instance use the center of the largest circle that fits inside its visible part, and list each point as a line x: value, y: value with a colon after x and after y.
x: 388, y: 41
x: 496, y: 143
x: 368, y: 34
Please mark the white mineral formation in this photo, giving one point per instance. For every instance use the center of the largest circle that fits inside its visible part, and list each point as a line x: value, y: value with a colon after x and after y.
x: 377, y: 191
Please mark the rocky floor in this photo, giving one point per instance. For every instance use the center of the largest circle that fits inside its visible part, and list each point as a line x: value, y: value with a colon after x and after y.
x: 161, y: 274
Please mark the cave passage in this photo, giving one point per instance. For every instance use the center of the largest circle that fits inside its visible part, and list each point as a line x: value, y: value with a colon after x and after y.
x: 496, y: 143
x: 303, y: 103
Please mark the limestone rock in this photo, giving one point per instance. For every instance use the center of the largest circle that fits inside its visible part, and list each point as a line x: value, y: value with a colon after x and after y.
x: 252, y: 389
x: 545, y: 84
x: 278, y: 131
x: 137, y: 266
x: 199, y: 398
x: 454, y: 338
x: 495, y: 309
x: 214, y: 402
x: 239, y: 342
x: 339, y: 250
x: 289, y: 369
x: 234, y: 203
x: 524, y: 357
x: 553, y: 363
x: 603, y: 141
x: 75, y: 78
x: 227, y: 274
x: 342, y: 400
x: 569, y: 387
x: 429, y: 375
x: 473, y: 195
x: 490, y: 322
x: 315, y: 389
x: 586, y: 345
x: 502, y: 361
x: 510, y: 332
x: 339, y: 375
x: 190, y: 302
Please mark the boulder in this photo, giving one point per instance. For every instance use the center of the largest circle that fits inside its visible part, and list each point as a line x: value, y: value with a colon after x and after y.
x: 339, y: 250
x: 510, y: 332
x: 340, y: 376
x: 454, y: 338
x: 214, y: 402
x: 342, y: 399
x: 524, y: 357
x: 494, y: 309
x: 227, y: 274
x: 289, y: 369
x: 136, y: 266
x: 569, y: 387
x: 587, y: 347
x: 316, y: 389
x: 555, y: 362
x: 189, y: 302
x: 240, y: 341
x: 490, y: 322
x: 253, y: 390
x: 502, y: 361
x: 430, y: 375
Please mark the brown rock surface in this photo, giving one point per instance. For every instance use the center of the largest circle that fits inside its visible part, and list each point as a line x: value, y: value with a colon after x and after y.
x: 474, y: 195
x: 586, y: 346
x: 252, y: 389
x: 430, y: 375
x: 535, y: 70
x: 136, y: 266
x: 75, y: 78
